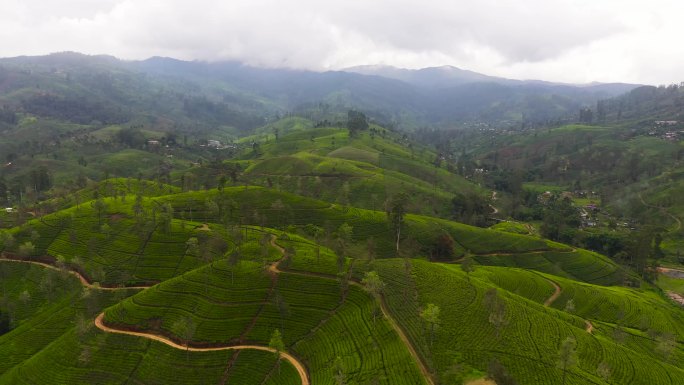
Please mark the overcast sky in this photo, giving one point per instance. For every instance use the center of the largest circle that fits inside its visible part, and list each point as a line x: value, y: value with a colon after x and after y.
x: 559, y: 40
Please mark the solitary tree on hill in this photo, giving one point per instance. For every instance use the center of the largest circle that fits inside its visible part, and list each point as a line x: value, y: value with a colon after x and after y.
x: 372, y: 282
x: 444, y: 247
x: 276, y: 343
x: 100, y: 208
x: 567, y: 356
x: 339, y: 370
x: 371, y: 249
x: 570, y: 306
x: 192, y: 246
x: 185, y: 329
x: 468, y: 265
x: 603, y: 371
x: 666, y: 344
x: 497, y: 310
x: 26, y: 249
x: 7, y: 240
x: 166, y: 217
x: 499, y: 374
x: 431, y: 316
x: 395, y: 208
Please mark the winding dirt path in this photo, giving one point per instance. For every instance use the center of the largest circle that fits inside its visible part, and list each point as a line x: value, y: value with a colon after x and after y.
x: 383, y: 307
x: 75, y: 273
x: 555, y: 294
x: 423, y: 368
x: 494, y: 209
x: 589, y: 327
x: 670, y: 272
x: 287, y: 356
x: 301, y: 370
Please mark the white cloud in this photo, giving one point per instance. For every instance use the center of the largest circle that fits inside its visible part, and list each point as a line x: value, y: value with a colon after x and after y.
x: 562, y: 40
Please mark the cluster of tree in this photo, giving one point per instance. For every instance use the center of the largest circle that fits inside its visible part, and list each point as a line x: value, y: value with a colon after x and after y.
x: 40, y: 179
x: 26, y: 187
x: 471, y: 208
x: 642, y: 251
x: 560, y: 219
x: 131, y: 137
x: 356, y: 122
x: 79, y: 110
x: 201, y: 108
x: 8, y: 116
x: 586, y: 115
x: 5, y: 324
x: 443, y: 248
x: 663, y: 101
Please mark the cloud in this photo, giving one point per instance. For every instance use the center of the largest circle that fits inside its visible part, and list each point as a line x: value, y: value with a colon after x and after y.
x: 562, y: 40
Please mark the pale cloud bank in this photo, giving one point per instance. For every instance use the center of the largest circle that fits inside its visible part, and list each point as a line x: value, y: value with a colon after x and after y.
x: 559, y: 40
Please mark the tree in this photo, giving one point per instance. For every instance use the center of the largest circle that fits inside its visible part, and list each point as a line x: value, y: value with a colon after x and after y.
x: 444, y: 247
x: 192, y: 246
x: 586, y: 115
x: 106, y: 230
x: 371, y: 250
x: 431, y: 316
x: 499, y: 374
x: 7, y: 240
x: 374, y: 285
x: 83, y: 326
x: 276, y: 343
x: 25, y: 297
x: 166, y: 217
x: 185, y: 329
x: 497, y: 310
x: 233, y: 261
x: 570, y: 306
x: 131, y: 137
x: 26, y: 249
x: 468, y: 265
x: 100, y: 208
x: 339, y: 370
x: 567, y: 356
x: 40, y: 179
x: 345, y: 232
x: 47, y: 285
x: 395, y: 208
x: 666, y: 344
x: 603, y: 371
x: 356, y: 122
x: 282, y: 307
x: 212, y: 207
x: 278, y: 207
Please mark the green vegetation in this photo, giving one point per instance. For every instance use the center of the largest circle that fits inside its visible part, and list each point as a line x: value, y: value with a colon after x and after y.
x: 527, y: 342
x: 182, y: 233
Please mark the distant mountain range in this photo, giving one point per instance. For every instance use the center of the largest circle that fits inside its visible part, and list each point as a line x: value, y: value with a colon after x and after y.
x: 235, y: 94
x: 449, y: 76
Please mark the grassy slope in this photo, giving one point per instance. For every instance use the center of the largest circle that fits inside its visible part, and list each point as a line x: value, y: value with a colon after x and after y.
x: 488, y: 246
x: 128, y: 253
x: 528, y: 344
x: 326, y: 163
x: 318, y: 327
x: 319, y: 323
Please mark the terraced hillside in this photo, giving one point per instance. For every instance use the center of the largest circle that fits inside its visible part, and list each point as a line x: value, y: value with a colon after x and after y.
x: 191, y: 287
x: 527, y: 340
x: 364, y: 170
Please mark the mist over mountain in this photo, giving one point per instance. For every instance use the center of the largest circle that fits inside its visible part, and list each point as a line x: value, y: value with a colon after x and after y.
x: 243, y: 96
